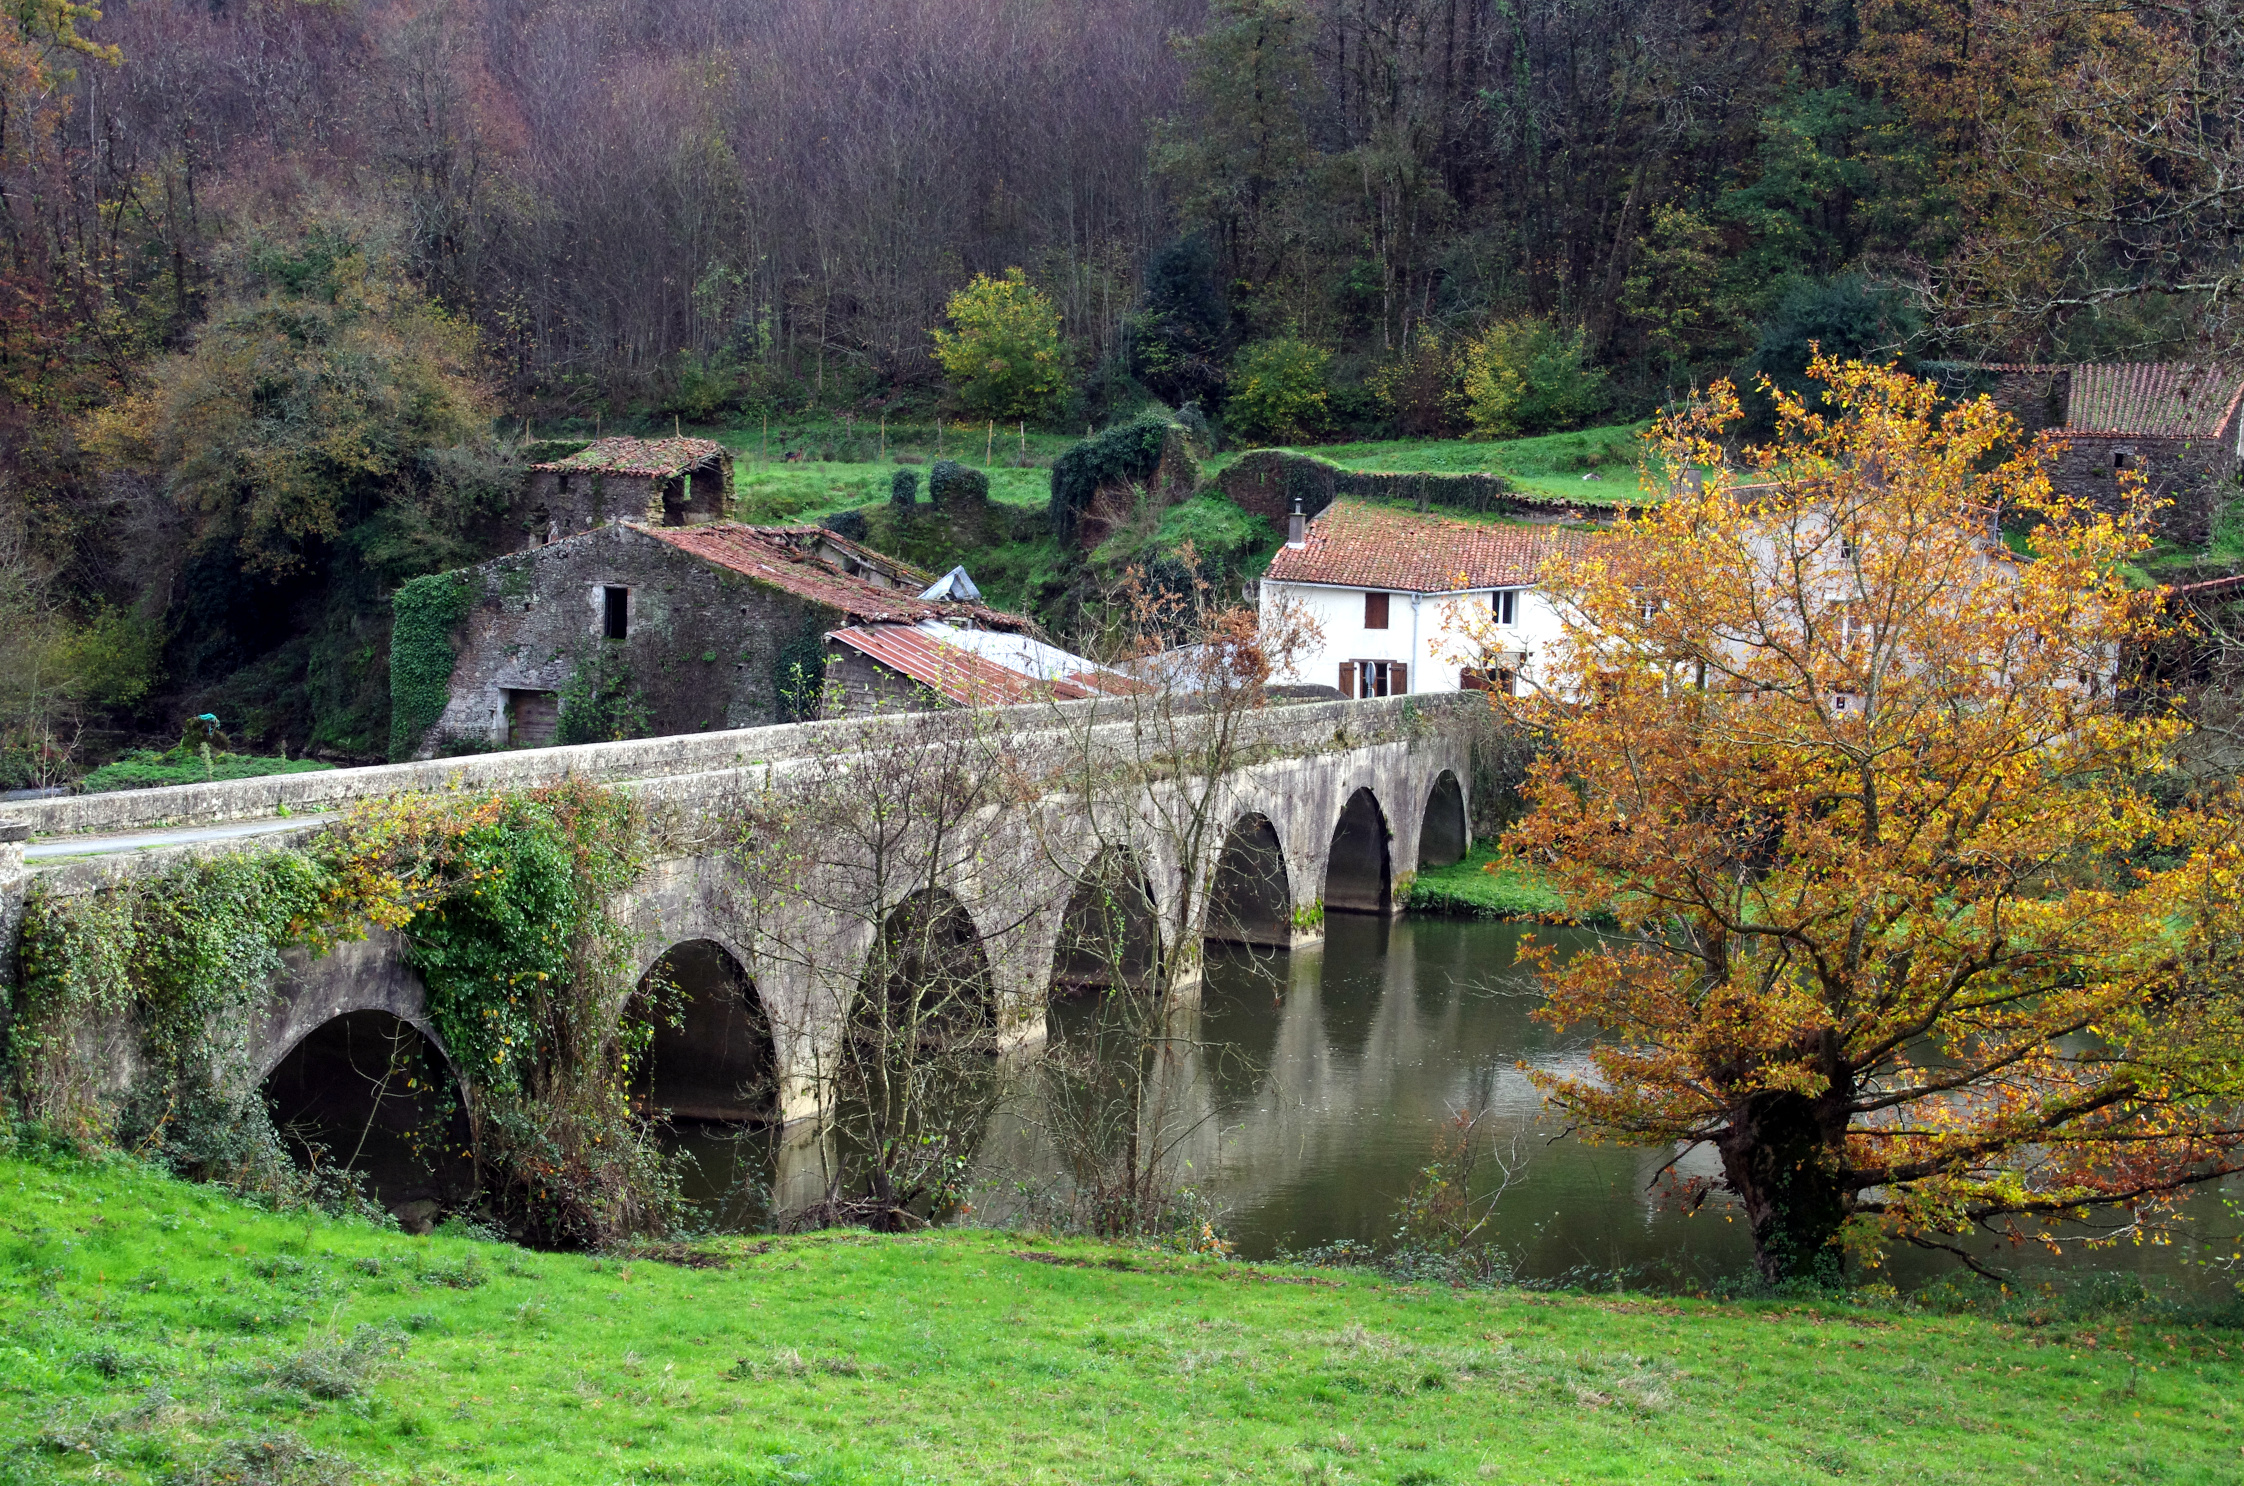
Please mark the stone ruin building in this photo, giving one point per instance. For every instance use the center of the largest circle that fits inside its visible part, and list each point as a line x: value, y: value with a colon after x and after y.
x: 661, y: 482
x: 2175, y: 423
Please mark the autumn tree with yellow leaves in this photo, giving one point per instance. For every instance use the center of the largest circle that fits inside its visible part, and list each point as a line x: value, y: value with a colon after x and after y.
x: 1907, y: 938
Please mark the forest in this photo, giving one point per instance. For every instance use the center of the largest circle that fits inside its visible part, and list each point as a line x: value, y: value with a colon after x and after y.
x: 285, y: 285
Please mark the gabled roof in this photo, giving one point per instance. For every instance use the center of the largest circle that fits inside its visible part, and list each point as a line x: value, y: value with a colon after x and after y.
x: 954, y: 665
x: 2161, y: 399
x: 659, y: 458
x: 1353, y: 545
x: 803, y: 561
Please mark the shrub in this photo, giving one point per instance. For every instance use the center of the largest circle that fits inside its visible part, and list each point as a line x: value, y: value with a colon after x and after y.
x: 1530, y: 376
x: 601, y: 704
x: 850, y: 523
x: 903, y: 489
x: 1128, y: 452
x: 144, y: 768
x: 1005, y: 359
x: 1419, y: 389
x: 1278, y: 389
x: 952, y: 486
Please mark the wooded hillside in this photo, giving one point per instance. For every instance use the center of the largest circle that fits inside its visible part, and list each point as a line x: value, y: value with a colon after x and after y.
x: 279, y: 279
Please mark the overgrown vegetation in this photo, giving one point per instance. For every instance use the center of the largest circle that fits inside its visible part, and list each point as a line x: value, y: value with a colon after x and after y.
x: 145, y: 768
x: 503, y: 901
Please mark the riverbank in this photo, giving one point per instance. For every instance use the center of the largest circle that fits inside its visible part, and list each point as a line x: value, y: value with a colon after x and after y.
x: 159, y: 1331
x: 1469, y: 889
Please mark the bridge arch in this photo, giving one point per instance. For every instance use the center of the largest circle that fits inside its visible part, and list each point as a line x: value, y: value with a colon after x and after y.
x: 928, y: 971
x: 1110, y: 931
x: 1359, y: 869
x: 712, y: 1055
x: 369, y: 1092
x: 1251, y: 901
x: 1443, y: 834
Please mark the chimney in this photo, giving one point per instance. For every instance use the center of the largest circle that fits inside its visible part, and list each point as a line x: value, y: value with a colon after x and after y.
x: 1297, y: 526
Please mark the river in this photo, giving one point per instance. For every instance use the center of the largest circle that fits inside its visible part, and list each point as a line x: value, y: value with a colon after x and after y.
x: 1328, y: 1076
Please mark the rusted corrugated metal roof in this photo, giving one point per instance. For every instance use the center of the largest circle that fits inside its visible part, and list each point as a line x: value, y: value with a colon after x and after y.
x: 1353, y: 545
x: 957, y: 675
x: 787, y: 557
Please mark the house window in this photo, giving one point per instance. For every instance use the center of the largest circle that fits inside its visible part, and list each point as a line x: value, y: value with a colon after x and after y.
x: 1505, y: 604
x: 2123, y: 459
x: 615, y: 613
x: 1375, y: 611
x: 1374, y: 678
x: 1499, y: 679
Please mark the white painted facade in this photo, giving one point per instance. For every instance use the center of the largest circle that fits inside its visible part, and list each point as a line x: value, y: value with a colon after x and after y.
x: 1435, y: 636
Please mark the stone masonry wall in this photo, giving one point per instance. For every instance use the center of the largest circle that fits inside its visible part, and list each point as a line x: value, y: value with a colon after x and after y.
x: 2197, y: 476
x: 703, y: 644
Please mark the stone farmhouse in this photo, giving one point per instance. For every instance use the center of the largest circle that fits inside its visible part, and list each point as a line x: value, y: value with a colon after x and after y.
x: 661, y: 482
x: 2175, y: 423
x: 717, y: 625
x: 1402, y: 596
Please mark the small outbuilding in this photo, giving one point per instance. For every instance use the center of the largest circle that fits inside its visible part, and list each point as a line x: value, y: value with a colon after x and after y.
x: 2176, y: 424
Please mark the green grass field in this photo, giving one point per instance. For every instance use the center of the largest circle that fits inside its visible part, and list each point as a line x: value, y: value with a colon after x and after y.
x: 1466, y: 889
x: 1552, y: 463
x: 156, y: 1331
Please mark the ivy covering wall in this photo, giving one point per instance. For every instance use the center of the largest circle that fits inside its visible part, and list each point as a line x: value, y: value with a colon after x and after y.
x: 504, y: 902
x: 424, y: 613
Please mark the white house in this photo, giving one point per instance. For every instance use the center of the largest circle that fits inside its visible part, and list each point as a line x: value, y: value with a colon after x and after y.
x: 1409, y: 602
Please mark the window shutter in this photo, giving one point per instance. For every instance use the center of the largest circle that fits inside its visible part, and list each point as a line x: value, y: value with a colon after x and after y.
x: 1398, y: 684
x: 1472, y: 680
x: 1348, y: 678
x: 1375, y: 611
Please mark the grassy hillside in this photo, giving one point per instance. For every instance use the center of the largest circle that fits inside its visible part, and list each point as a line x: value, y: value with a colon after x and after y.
x: 156, y: 1331
x: 1553, y: 463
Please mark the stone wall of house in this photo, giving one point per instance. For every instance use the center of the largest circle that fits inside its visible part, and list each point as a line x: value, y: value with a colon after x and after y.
x: 703, y: 646
x: 555, y: 505
x: 2198, y: 477
x: 857, y: 685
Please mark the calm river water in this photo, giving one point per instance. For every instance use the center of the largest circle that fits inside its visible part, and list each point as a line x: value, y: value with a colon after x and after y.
x: 1339, y: 1067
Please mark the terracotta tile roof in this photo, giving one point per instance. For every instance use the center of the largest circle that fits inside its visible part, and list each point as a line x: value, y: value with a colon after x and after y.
x: 2169, y: 399
x: 959, y: 675
x: 1378, y: 547
x: 787, y: 557
x: 621, y: 456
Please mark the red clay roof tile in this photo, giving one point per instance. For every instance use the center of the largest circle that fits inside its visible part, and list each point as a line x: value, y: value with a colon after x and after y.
x: 959, y: 675
x: 1354, y: 545
x: 2162, y: 399
x: 659, y: 458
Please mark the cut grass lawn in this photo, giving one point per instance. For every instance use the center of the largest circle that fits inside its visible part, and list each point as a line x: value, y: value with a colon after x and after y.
x: 159, y: 1331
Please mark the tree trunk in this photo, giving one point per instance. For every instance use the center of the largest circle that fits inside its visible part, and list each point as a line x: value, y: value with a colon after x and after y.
x: 1783, y: 1156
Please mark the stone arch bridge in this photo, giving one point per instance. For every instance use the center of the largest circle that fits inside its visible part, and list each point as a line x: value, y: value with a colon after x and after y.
x: 1331, y: 807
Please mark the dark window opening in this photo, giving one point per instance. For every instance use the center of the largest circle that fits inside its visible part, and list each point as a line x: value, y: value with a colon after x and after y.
x: 615, y: 612
x: 2123, y: 460
x: 1375, y: 611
